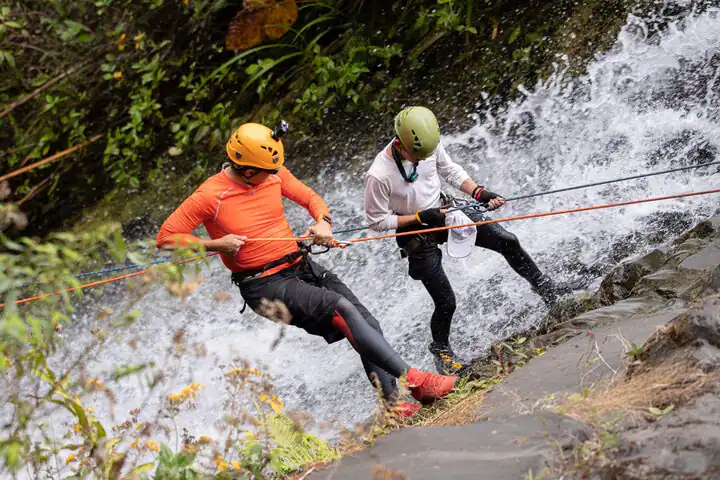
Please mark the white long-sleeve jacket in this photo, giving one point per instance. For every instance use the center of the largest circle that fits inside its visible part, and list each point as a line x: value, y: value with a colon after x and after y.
x: 388, y: 195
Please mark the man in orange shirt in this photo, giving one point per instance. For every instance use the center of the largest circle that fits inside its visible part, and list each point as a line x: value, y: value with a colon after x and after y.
x: 241, y: 206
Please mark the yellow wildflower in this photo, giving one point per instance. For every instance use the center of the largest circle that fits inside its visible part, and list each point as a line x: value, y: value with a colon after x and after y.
x: 194, y: 388
x: 152, y: 445
x: 274, y: 402
x: 89, y: 410
x: 139, y: 37
x: 122, y: 37
x: 134, y: 443
x: 117, y: 75
x: 186, y: 2
x: 248, y: 371
x: 121, y: 47
x: 140, y: 425
x: 235, y: 465
x: 70, y: 458
x: 95, y: 384
x: 76, y: 427
x: 221, y: 463
x: 137, y: 46
x: 204, y: 440
x: 188, y: 392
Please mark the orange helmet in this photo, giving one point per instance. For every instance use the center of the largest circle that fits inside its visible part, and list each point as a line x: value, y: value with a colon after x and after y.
x: 255, y: 145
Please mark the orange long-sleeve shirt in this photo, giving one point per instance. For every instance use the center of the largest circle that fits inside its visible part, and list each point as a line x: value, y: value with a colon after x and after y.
x: 225, y: 206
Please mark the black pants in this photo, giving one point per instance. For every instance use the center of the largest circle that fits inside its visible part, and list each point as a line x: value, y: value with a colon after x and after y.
x: 322, y: 305
x: 425, y: 264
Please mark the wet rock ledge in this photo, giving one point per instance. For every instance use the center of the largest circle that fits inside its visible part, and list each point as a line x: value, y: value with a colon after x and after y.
x: 627, y: 387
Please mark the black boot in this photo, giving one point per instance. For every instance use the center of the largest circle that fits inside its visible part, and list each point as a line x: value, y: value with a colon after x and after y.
x: 550, y: 291
x: 446, y: 363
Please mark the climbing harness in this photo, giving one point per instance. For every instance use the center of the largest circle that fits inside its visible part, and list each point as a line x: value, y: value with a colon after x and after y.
x: 417, y: 241
x: 304, y: 250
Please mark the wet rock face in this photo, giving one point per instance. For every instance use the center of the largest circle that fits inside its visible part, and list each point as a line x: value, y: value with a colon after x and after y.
x: 504, y: 447
x: 704, y: 321
x: 682, y: 445
x: 621, y: 281
x: 667, y: 302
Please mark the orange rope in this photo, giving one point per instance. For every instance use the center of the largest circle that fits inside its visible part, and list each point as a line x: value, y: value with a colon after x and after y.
x: 498, y: 220
x: 379, y: 237
x: 50, y: 158
x: 99, y: 282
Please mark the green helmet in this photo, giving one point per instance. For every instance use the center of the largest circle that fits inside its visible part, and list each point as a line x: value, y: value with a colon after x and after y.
x: 418, y: 131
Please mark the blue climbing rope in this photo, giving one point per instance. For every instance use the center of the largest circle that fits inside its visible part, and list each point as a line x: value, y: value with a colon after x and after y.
x: 108, y: 270
x: 468, y: 204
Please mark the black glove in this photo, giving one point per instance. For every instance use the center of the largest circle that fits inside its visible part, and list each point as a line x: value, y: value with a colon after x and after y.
x: 484, y: 196
x: 432, y: 216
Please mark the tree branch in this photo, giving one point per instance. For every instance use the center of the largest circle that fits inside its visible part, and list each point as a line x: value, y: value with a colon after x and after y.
x: 50, y: 158
x: 38, y: 91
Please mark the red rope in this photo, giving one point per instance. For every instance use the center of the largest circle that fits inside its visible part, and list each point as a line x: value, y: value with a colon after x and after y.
x: 498, y: 220
x: 99, y: 282
x: 379, y: 237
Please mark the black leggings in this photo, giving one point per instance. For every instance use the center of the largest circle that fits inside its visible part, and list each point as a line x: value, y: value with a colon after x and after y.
x: 382, y: 364
x: 322, y: 305
x: 425, y: 264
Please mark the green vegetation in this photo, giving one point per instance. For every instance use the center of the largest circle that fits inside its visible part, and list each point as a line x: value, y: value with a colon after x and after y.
x: 50, y: 427
x: 155, y: 81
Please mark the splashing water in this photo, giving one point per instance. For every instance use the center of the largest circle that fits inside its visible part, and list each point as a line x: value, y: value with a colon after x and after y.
x: 650, y: 103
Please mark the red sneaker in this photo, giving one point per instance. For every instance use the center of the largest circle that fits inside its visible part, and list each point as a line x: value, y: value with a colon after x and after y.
x: 406, y: 409
x: 427, y: 387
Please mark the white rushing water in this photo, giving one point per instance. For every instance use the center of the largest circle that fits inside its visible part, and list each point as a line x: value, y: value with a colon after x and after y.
x: 648, y: 104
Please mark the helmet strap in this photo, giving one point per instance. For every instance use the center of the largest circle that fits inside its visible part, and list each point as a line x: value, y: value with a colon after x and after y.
x: 396, y: 156
x: 242, y: 172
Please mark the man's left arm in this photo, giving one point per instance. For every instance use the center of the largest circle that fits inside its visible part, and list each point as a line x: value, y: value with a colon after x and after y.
x: 306, y: 197
x: 456, y: 176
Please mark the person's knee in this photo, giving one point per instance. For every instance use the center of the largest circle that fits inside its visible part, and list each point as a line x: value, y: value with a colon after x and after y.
x: 343, y: 305
x: 347, y: 311
x: 509, y: 243
x: 446, y: 304
x: 450, y: 304
x: 374, y: 324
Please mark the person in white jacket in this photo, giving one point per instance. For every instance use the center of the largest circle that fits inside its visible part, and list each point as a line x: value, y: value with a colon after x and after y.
x: 403, y: 193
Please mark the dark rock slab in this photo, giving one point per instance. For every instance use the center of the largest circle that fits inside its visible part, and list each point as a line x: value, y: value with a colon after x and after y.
x: 674, y: 283
x: 618, y: 284
x: 576, y: 364
x: 683, y: 444
x: 706, y: 258
x: 495, y: 449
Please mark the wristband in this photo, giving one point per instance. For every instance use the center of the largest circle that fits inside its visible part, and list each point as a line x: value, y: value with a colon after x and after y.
x: 417, y: 216
x: 322, y: 216
x: 477, y: 191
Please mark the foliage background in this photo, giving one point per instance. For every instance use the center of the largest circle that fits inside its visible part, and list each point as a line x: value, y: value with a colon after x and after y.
x: 155, y: 80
